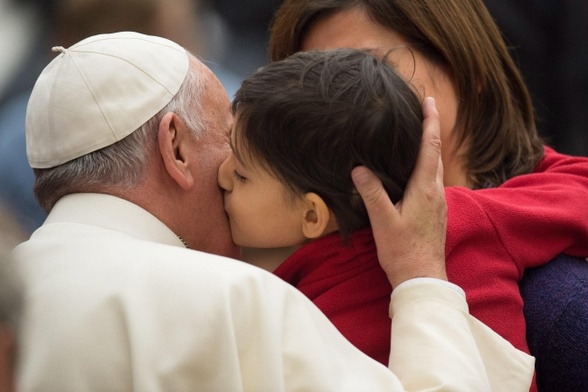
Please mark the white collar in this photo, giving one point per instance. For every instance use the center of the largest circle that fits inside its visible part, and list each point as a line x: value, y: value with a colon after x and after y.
x: 112, y: 213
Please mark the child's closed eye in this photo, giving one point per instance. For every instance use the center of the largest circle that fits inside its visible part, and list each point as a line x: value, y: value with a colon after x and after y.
x: 238, y: 176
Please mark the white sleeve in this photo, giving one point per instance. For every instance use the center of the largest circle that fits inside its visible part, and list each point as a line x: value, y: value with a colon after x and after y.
x: 438, y: 345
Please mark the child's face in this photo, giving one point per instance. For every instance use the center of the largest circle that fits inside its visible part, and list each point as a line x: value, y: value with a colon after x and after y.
x: 262, y: 212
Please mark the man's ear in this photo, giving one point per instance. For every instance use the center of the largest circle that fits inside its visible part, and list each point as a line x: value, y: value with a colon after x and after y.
x: 316, y: 216
x: 174, y: 140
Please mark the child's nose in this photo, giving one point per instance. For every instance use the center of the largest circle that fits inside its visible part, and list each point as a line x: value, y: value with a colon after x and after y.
x: 224, y: 175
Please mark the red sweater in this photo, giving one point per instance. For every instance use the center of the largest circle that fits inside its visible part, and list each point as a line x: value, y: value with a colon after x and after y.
x: 493, y: 235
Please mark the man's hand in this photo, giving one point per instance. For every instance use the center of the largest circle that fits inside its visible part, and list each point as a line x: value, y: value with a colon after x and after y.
x: 410, y: 236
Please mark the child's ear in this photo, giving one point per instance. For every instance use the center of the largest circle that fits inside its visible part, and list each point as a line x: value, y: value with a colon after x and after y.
x: 316, y: 216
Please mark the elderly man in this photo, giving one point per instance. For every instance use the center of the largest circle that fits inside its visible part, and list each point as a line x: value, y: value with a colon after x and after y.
x: 126, y: 133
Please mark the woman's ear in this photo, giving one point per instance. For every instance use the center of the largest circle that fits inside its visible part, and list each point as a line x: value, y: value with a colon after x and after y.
x: 174, y: 140
x: 316, y: 216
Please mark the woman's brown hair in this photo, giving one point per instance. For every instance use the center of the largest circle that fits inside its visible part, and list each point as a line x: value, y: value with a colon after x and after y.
x: 495, y: 118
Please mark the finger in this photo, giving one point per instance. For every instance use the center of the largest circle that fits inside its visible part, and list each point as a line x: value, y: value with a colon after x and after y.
x: 432, y: 127
x: 375, y: 198
x: 428, y: 167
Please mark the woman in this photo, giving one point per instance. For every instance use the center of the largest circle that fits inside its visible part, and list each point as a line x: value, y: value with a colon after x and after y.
x: 513, y: 203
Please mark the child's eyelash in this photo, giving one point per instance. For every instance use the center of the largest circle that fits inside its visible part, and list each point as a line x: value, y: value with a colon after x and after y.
x: 237, y: 176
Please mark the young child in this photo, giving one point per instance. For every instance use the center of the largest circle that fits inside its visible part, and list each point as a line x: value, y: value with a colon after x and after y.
x: 301, y: 125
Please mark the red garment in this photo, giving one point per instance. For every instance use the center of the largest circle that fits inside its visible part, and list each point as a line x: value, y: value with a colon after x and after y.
x: 492, y: 236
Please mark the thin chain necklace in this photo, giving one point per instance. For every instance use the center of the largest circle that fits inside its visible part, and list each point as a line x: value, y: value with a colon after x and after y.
x: 183, y: 242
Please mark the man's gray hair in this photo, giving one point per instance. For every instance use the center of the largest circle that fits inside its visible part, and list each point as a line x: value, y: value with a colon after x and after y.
x: 124, y: 163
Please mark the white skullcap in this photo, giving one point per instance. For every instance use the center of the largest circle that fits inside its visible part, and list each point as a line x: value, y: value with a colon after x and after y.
x: 99, y: 91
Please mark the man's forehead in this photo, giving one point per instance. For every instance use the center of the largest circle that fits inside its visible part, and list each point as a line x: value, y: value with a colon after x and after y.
x: 215, y: 104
